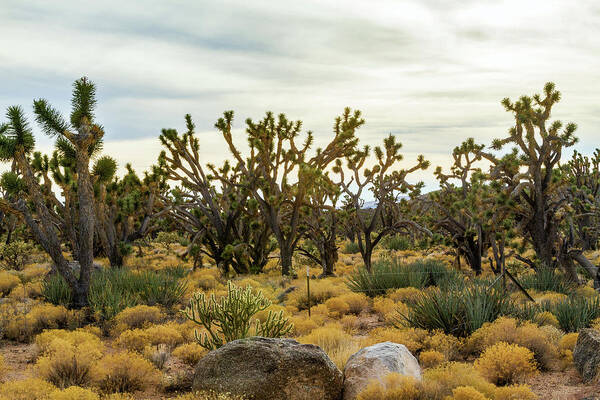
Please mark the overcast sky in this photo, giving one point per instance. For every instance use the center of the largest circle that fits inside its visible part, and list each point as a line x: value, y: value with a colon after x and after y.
x: 431, y: 72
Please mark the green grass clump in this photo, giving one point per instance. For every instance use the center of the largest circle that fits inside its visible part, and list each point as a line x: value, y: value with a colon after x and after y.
x: 575, y: 313
x: 457, y: 312
x: 390, y: 274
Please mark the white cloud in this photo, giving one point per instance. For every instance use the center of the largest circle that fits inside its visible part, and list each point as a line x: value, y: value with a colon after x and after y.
x: 431, y: 72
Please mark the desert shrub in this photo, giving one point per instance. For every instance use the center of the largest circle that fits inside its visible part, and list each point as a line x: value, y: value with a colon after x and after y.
x: 440, y: 381
x: 26, y: 389
x: 575, y: 313
x: 320, y: 291
x: 540, y: 341
x: 456, y: 312
x: 514, y: 392
x: 546, y: 318
x: 78, y: 337
x: 158, y: 355
x: 124, y: 372
x: 566, y: 345
x: 74, y: 393
x: 230, y: 318
x: 137, y: 317
x: 448, y: 345
x: 209, y: 396
x: 348, y: 303
x: 351, y: 248
x: 505, y: 363
x: 23, y: 327
x: 190, y: 353
x: 67, y: 357
x: 413, y: 339
x: 405, y: 295
x: 397, y: 242
x: 167, y: 239
x: 387, y: 274
x: 8, y: 281
x: 431, y: 358
x: 467, y: 393
x: 15, y: 254
x: 162, y: 288
x: 138, y: 339
x: 394, y: 386
x: 547, y: 280
x: 55, y: 290
x: 337, y: 343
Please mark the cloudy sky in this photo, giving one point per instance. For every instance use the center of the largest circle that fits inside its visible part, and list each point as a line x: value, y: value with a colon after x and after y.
x: 431, y: 72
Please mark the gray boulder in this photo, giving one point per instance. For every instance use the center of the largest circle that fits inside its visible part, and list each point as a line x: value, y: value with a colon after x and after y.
x: 269, y: 369
x: 375, y: 362
x: 586, y: 354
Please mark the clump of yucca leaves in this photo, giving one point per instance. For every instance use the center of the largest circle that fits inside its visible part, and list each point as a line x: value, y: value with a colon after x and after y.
x: 459, y: 312
x: 230, y: 317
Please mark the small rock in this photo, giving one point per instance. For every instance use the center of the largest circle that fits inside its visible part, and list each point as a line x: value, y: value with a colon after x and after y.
x: 586, y: 354
x: 375, y: 362
x: 269, y: 369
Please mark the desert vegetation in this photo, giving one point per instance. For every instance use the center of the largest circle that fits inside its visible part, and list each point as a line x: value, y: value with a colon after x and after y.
x: 116, y: 287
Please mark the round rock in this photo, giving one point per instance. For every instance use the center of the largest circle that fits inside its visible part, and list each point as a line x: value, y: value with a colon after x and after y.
x: 269, y: 369
x: 375, y: 362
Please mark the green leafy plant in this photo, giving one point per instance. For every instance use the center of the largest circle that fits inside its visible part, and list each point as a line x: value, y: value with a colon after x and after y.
x: 575, y: 313
x: 15, y: 254
x: 457, y: 312
x: 389, y: 274
x: 162, y: 288
x: 547, y: 280
x: 230, y: 317
x: 55, y: 290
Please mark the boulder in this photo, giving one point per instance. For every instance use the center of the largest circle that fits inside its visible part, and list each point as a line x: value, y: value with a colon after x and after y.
x: 375, y: 362
x: 269, y: 369
x: 586, y: 354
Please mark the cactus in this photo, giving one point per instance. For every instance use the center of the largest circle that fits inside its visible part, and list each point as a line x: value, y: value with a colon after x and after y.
x: 230, y: 317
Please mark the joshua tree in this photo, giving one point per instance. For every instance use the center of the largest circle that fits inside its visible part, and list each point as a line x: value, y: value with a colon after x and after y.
x: 42, y: 211
x: 533, y: 178
x: 223, y: 224
x: 280, y: 175
x: 320, y: 220
x: 583, y: 175
x: 457, y: 205
x: 387, y: 186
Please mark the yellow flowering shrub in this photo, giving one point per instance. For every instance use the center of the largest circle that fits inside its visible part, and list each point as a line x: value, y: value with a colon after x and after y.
x: 74, y: 393
x: 448, y: 345
x: 566, y: 345
x: 209, y: 396
x: 505, y: 363
x: 439, y: 381
x: 26, y: 389
x: 320, y: 291
x: 467, y: 393
x: 514, y: 392
x: 27, y: 290
x: 8, y: 281
x: 541, y: 340
x: 67, y: 357
x: 41, y: 316
x: 124, y: 372
x: 337, y: 307
x: 546, y: 318
x: 412, y: 338
x: 338, y: 344
x: 394, y: 386
x: 137, y: 317
x: 431, y: 358
x: 190, y: 353
x: 304, y: 325
x: 137, y: 339
x: 406, y: 294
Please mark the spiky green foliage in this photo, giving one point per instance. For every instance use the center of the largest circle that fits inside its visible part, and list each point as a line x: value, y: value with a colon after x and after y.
x: 15, y: 134
x: 575, y: 313
x: 457, y: 312
x: 230, y: 317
